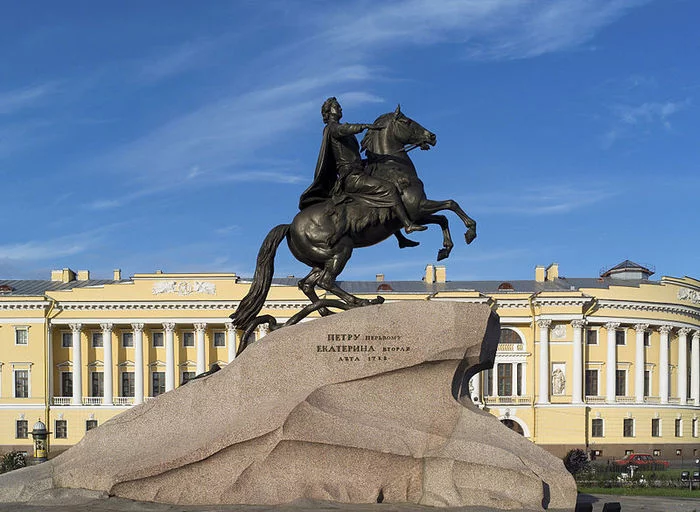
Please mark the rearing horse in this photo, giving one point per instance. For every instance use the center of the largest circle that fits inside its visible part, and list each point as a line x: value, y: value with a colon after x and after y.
x: 324, y: 234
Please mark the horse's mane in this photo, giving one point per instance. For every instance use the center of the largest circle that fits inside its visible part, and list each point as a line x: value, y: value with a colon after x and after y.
x: 371, y: 138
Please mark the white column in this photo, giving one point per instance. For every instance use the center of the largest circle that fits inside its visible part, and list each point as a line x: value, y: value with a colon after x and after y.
x: 201, y: 362
x: 695, y: 368
x: 577, y: 374
x: 683, y: 365
x: 231, y: 340
x: 138, y: 363
x: 663, y: 364
x: 169, y: 328
x: 77, y: 365
x: 639, y: 362
x: 611, y: 362
x: 523, y: 380
x: 475, y: 382
x: 543, y: 390
x: 494, y: 380
x: 108, y: 398
x: 49, y: 355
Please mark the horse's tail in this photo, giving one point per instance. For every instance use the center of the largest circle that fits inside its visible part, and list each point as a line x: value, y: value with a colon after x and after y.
x: 253, y: 302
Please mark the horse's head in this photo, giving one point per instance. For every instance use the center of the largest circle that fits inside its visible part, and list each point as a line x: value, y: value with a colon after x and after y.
x: 398, y: 132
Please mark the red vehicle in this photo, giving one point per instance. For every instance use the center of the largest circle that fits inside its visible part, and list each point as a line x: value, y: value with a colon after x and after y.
x: 642, y: 461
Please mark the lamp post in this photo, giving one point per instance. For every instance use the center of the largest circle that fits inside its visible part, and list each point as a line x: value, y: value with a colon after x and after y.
x: 40, y: 435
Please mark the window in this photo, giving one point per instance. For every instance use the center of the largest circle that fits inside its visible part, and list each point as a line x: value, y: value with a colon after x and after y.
x: 188, y: 339
x: 97, y: 384
x: 61, y: 429
x: 157, y: 338
x: 619, y: 337
x: 679, y: 428
x: 620, y: 382
x: 647, y: 382
x: 655, y: 427
x: 519, y: 379
x: 647, y: 339
x: 97, y: 340
x: 657, y: 453
x: 128, y: 384
x: 591, y: 383
x: 21, y: 383
x: 219, y: 339
x: 66, y: 339
x: 127, y: 339
x: 597, y: 427
x: 186, y: 377
x: 509, y: 336
x: 66, y: 383
x: 505, y: 380
x: 21, y: 429
x: 90, y: 424
x: 591, y: 337
x: 628, y: 427
x: 629, y: 452
x: 21, y: 335
x: 157, y: 383
x: 695, y: 427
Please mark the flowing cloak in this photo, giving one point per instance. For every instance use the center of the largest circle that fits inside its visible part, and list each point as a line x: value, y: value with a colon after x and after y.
x: 325, y: 175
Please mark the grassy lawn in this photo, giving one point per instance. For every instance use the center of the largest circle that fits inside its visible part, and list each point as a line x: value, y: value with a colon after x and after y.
x: 643, y: 491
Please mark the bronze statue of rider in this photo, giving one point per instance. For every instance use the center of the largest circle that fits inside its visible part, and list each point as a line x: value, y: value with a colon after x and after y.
x: 340, y: 167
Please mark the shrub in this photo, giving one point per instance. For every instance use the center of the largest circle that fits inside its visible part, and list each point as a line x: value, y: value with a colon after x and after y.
x: 576, y: 461
x: 11, y: 461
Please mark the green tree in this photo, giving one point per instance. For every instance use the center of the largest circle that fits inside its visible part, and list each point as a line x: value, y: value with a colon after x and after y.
x: 11, y: 461
x: 576, y: 461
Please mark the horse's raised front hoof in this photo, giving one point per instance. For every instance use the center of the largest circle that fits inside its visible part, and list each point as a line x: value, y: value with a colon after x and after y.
x: 470, y: 235
x: 443, y: 253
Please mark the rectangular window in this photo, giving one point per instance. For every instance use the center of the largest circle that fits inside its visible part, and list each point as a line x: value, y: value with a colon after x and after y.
x: 679, y: 427
x: 188, y: 339
x: 694, y: 427
x: 66, y: 383
x: 597, y: 427
x: 66, y: 339
x: 219, y: 339
x: 629, y: 452
x: 489, y: 383
x: 628, y: 427
x: 620, y: 382
x: 186, y: 377
x: 591, y: 337
x: 157, y: 383
x: 21, y: 336
x: 158, y: 340
x: 90, y: 424
x: 127, y: 384
x: 647, y: 382
x: 505, y: 380
x: 61, y: 429
x: 647, y: 339
x: 97, y: 384
x: 22, y: 429
x: 657, y: 453
x: 127, y: 339
x: 655, y: 427
x: 591, y: 383
x: 97, y: 341
x: 21, y: 383
x: 619, y: 337
x: 519, y: 379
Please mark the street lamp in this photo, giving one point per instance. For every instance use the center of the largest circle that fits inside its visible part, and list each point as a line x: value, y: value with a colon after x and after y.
x: 40, y: 435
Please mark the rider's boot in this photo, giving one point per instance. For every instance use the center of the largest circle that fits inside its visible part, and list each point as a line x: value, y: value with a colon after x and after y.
x: 400, y: 211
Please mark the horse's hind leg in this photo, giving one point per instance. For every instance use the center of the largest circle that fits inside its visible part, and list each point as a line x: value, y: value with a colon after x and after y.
x: 430, y: 206
x: 447, y: 243
x: 308, y: 286
x: 333, y: 267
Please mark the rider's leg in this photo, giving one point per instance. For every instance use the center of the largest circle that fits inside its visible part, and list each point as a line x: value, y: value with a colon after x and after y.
x: 405, y: 242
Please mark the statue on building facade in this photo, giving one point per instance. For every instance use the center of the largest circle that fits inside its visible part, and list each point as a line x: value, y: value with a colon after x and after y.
x: 351, y: 203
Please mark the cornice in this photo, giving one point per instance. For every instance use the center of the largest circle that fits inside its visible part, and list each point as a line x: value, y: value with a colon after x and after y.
x: 24, y: 304
x: 145, y: 305
x: 658, y: 307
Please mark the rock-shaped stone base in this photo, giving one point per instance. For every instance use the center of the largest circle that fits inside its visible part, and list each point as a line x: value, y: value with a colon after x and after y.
x: 357, y: 407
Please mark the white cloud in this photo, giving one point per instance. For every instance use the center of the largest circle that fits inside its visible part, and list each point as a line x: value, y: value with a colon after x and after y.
x: 25, y: 97
x: 175, y: 61
x: 650, y: 112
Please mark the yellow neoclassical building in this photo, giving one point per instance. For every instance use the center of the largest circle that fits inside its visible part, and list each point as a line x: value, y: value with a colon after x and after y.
x: 608, y: 363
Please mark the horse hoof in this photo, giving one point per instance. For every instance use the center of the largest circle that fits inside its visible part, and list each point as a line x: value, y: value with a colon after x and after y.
x: 378, y: 300
x: 442, y: 254
x: 470, y: 235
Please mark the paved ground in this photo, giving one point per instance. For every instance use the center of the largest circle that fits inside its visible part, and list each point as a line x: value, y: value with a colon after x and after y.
x: 629, y: 504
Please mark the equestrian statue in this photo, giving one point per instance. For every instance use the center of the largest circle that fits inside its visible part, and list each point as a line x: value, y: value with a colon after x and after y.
x: 351, y: 203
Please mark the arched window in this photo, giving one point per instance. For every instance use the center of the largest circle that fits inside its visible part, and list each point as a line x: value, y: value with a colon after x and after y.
x: 509, y: 336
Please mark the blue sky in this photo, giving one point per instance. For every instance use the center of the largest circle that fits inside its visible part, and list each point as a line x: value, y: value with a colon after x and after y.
x: 174, y: 135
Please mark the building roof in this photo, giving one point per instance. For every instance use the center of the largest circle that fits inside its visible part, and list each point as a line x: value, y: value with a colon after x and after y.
x: 38, y: 287
x: 627, y: 265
